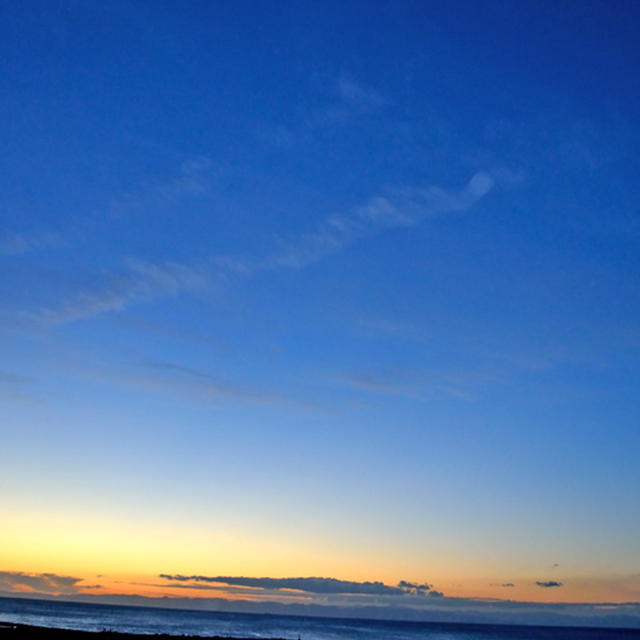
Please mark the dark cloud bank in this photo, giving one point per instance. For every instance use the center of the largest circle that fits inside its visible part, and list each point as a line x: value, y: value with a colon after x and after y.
x: 337, y: 598
x: 38, y: 582
x: 313, y: 585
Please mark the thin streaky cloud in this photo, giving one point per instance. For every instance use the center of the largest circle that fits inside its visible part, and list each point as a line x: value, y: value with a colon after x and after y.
x: 406, y: 207
x: 349, y: 99
x: 16, y: 244
x: 456, y: 393
x: 15, y: 388
x: 391, y: 326
x: 204, y: 384
x: 195, y: 178
x: 20, y: 398
x: 174, y: 385
x: 14, y: 379
x: 142, y: 281
x: 353, y: 99
x: 419, y: 385
x: 175, y: 333
x: 278, y: 136
x: 248, y: 592
x: 178, y: 368
x: 359, y: 95
x: 370, y: 382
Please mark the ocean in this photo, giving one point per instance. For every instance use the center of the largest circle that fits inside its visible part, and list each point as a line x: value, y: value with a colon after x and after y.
x: 94, y: 617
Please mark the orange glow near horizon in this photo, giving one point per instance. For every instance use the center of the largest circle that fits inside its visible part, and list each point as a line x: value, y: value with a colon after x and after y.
x: 126, y: 558
x: 150, y: 585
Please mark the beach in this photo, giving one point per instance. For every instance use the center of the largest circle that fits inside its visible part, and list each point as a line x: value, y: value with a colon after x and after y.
x: 13, y: 631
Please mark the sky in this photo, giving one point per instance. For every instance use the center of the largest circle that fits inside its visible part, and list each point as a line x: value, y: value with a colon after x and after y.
x: 322, y: 304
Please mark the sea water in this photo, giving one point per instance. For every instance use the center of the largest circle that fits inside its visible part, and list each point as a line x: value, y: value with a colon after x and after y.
x: 93, y: 617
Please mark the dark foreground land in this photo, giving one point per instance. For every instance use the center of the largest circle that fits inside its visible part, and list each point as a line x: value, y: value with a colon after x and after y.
x: 14, y: 631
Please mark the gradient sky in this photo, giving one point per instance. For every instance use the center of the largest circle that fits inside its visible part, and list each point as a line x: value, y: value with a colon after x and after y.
x: 346, y: 290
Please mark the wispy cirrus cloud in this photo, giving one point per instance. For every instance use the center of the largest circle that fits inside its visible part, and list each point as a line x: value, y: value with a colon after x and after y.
x: 180, y: 369
x: 418, y: 384
x: 404, y: 207
x: 138, y: 281
x: 370, y: 382
x: 203, y: 384
x: 7, y: 377
x: 195, y: 178
x: 172, y: 380
x: 401, y: 208
x: 346, y: 99
x: 17, y: 388
x: 142, y: 281
x: 15, y: 244
x: 352, y: 98
x: 359, y: 95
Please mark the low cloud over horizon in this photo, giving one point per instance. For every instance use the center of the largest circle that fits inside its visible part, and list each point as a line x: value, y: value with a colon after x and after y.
x: 313, y: 585
x: 330, y: 597
x: 49, y: 583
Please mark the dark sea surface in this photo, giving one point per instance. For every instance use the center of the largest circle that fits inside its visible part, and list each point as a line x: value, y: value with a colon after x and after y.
x: 92, y: 617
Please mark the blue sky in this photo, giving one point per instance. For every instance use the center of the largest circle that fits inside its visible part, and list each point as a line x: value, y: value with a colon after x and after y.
x: 362, y: 279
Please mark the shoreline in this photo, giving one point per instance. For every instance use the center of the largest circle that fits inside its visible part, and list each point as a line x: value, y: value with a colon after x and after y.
x: 18, y: 631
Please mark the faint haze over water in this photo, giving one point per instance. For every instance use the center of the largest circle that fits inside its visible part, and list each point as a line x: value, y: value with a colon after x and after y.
x: 151, y: 621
